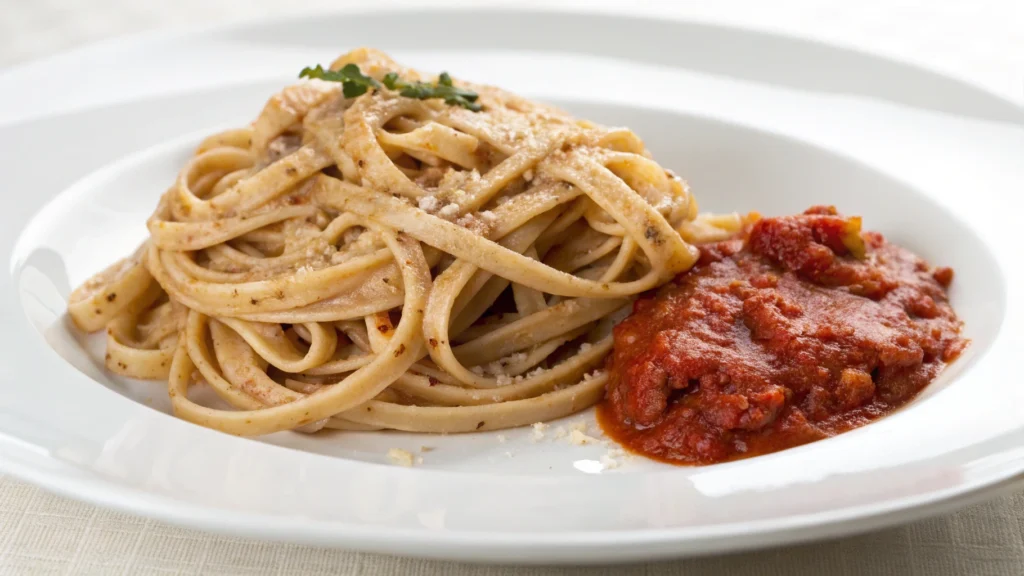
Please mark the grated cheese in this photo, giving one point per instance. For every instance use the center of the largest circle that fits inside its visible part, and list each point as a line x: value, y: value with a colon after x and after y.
x: 534, y: 373
x: 538, y: 430
x: 449, y: 211
x: 474, y: 223
x: 429, y: 203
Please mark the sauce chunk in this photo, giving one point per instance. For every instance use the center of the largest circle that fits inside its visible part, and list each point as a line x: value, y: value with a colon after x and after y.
x: 804, y: 329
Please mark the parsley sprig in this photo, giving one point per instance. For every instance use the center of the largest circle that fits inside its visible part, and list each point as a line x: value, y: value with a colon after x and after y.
x: 355, y: 83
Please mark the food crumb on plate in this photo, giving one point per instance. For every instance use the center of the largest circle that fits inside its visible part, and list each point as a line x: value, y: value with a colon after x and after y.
x: 610, y: 459
x: 578, y: 438
x: 400, y: 457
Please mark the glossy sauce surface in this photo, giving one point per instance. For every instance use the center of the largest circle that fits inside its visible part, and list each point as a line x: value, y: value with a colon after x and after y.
x: 804, y: 329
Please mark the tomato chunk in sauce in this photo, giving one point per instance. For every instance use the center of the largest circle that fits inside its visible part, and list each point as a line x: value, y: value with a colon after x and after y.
x: 804, y: 329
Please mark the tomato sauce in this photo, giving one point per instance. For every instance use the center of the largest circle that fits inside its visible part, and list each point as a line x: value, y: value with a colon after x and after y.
x: 804, y: 329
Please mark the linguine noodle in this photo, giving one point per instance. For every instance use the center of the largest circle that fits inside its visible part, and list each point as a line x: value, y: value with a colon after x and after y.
x: 387, y: 262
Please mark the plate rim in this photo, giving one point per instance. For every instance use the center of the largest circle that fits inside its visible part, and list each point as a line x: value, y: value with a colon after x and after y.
x: 501, y: 548
x: 361, y: 8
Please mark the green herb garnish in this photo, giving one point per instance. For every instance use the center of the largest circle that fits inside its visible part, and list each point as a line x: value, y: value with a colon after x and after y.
x: 444, y: 89
x: 355, y: 83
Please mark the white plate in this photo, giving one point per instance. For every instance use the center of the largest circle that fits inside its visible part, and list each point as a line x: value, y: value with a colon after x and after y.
x: 753, y: 121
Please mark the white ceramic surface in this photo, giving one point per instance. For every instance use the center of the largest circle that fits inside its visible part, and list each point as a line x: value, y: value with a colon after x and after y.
x: 752, y: 121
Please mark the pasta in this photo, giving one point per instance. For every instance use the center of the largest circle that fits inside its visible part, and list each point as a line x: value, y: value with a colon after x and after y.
x: 384, y: 261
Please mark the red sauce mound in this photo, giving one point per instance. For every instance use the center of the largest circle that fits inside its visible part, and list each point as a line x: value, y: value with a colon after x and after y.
x: 806, y: 329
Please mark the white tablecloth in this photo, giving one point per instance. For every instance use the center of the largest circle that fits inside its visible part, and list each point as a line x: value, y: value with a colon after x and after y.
x: 981, y: 40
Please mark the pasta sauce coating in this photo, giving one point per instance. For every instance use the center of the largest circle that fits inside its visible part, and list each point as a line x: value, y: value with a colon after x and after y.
x: 805, y: 329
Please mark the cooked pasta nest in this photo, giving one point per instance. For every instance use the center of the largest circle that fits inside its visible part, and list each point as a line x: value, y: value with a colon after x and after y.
x: 386, y: 262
